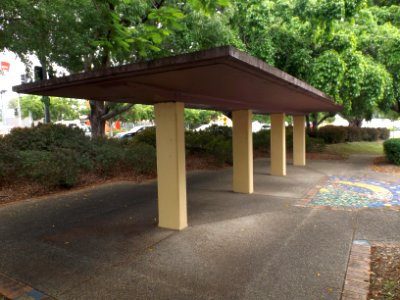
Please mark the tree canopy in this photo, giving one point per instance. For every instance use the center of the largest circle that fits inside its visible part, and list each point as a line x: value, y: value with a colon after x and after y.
x: 350, y: 49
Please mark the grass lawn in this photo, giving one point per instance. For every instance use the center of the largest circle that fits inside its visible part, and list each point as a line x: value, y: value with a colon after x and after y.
x: 346, y: 149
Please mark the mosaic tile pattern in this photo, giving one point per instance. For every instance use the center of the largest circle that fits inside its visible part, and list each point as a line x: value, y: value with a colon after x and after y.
x: 349, y: 192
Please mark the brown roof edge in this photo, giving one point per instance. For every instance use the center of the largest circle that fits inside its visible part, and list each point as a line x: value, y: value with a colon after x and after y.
x: 225, y: 55
x: 170, y: 62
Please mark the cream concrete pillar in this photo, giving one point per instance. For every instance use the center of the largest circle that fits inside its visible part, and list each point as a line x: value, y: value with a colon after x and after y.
x: 242, y: 141
x: 299, y: 141
x: 278, y: 145
x: 171, y: 172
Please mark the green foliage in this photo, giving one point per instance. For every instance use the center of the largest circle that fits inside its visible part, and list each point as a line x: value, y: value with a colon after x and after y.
x: 147, y: 136
x: 216, y: 142
x: 50, y: 168
x: 392, y: 150
x: 8, y: 162
x: 60, y: 108
x: 315, y: 144
x: 333, y: 134
x: 327, y: 73
x: 345, y: 149
x: 341, y: 134
x: 262, y: 140
x: 196, y: 117
x: 141, y: 157
x: 30, y: 105
x: 47, y: 137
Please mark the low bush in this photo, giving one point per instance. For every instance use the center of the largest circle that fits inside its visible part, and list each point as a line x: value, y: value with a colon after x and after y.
x: 341, y: 134
x: 8, y: 162
x: 147, y: 136
x: 332, y: 134
x: 107, y: 156
x: 315, y: 144
x: 354, y: 134
x: 262, y: 140
x: 50, y: 169
x: 46, y: 137
x: 370, y: 134
x: 141, y: 158
x: 384, y: 133
x: 392, y: 150
x: 216, y: 142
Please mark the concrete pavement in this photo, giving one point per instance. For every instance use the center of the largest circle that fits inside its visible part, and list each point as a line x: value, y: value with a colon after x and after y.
x: 103, y: 243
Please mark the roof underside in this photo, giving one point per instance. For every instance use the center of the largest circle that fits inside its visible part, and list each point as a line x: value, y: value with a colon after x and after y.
x: 220, y: 78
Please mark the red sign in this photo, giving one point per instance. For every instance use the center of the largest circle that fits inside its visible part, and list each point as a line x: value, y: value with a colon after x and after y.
x: 5, y: 66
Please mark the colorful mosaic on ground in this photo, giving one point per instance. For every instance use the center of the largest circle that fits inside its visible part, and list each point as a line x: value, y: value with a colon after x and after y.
x: 349, y: 192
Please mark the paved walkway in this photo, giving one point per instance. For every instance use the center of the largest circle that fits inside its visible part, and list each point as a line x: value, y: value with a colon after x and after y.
x: 103, y: 243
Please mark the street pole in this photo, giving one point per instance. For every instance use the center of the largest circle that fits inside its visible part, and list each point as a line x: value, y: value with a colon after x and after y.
x: 19, y: 111
x: 3, y: 111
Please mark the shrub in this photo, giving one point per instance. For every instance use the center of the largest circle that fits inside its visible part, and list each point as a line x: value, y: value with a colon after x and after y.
x: 141, y: 157
x: 223, y: 131
x: 221, y: 150
x: 46, y: 137
x: 57, y: 168
x: 354, y: 134
x: 8, y: 162
x: 384, y: 133
x: 107, y: 156
x: 392, y: 150
x: 262, y: 140
x: 340, y: 134
x: 370, y: 134
x: 216, y: 142
x: 147, y: 136
x: 289, y: 138
x: 333, y: 134
x: 315, y: 144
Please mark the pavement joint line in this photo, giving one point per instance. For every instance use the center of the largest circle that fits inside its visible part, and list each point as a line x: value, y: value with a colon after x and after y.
x: 14, y: 289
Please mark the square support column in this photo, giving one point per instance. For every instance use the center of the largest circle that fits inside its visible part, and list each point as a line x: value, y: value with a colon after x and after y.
x: 278, y: 145
x: 171, y: 172
x: 242, y: 141
x: 299, y: 141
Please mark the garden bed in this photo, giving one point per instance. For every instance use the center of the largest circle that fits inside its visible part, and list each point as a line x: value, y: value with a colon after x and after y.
x: 385, y: 273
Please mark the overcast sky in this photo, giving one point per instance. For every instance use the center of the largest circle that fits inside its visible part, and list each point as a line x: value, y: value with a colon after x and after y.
x: 13, y: 77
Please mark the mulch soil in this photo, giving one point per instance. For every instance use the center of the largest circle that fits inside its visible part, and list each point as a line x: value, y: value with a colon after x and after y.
x: 385, y: 273
x: 382, y: 165
x: 26, y: 190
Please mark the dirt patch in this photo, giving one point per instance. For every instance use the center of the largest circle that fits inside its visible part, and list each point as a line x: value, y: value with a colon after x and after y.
x: 310, y: 156
x: 26, y: 190
x: 385, y: 273
x: 381, y: 164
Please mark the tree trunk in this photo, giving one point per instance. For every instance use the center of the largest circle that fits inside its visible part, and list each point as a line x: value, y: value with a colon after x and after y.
x: 308, y: 122
x: 46, y: 102
x: 355, y: 122
x: 97, y: 124
x: 45, y: 99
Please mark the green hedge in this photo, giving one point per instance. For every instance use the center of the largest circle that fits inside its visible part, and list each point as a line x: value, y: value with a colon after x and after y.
x: 392, y: 150
x: 56, y: 155
x: 216, y: 142
x: 340, y: 134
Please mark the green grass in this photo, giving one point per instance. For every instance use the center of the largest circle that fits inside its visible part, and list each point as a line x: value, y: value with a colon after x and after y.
x: 346, y: 149
x: 391, y: 290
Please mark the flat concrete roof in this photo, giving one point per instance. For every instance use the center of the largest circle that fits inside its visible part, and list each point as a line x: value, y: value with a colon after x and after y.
x: 221, y: 78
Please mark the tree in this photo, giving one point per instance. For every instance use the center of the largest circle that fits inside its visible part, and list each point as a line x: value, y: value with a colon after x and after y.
x: 62, y: 108
x: 30, y: 106
x: 100, y: 33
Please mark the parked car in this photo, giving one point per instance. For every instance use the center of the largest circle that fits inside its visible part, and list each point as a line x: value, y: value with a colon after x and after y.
x: 131, y: 133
